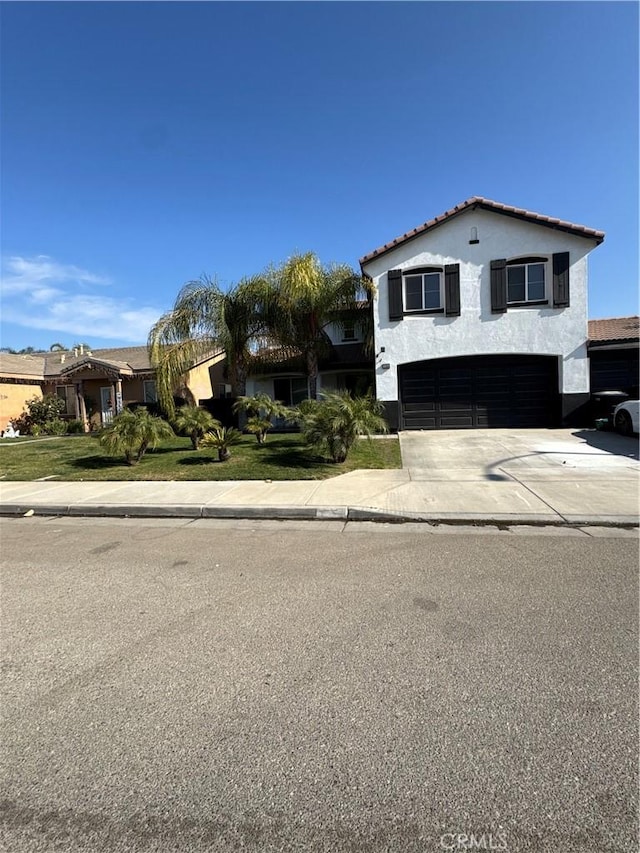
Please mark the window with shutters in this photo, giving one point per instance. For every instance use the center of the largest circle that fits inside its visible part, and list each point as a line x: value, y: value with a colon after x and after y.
x: 526, y: 281
x: 423, y: 291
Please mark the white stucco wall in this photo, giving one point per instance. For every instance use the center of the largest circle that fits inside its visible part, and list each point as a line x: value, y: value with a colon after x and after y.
x: 542, y: 330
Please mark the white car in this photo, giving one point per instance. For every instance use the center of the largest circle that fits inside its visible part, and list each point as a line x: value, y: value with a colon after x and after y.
x: 626, y: 417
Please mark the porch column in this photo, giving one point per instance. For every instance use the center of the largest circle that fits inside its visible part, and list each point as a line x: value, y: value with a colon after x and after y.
x: 81, y: 409
x: 117, y: 396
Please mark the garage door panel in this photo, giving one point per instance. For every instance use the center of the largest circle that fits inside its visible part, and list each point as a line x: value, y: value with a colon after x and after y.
x: 482, y: 391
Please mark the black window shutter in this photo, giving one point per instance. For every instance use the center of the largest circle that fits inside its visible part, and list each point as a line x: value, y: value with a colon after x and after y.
x: 499, y: 286
x: 394, y: 278
x: 561, y: 280
x: 452, y: 290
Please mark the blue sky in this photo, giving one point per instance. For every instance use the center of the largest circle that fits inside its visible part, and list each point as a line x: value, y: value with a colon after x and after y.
x: 144, y: 144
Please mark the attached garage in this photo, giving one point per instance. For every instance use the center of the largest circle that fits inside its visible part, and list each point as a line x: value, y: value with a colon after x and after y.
x: 480, y: 391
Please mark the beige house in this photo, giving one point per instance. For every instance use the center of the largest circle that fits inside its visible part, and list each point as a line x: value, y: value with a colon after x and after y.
x: 97, y: 384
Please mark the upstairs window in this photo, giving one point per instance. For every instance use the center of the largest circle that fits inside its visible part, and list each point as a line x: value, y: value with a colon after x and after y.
x: 349, y: 331
x: 423, y: 291
x: 526, y: 281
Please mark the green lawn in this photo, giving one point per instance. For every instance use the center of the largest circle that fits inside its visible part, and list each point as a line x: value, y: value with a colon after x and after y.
x: 283, y: 457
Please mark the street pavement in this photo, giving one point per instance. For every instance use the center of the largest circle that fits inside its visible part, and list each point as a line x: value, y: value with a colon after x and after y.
x: 497, y: 476
x: 234, y: 685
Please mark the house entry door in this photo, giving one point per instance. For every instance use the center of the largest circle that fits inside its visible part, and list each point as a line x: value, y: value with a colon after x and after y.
x: 106, y: 404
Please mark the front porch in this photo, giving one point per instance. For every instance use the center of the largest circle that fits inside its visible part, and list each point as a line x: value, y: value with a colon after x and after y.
x: 95, y: 390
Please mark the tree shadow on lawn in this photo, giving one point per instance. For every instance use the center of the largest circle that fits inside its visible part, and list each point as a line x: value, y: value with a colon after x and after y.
x: 198, y: 460
x: 282, y: 454
x: 98, y: 463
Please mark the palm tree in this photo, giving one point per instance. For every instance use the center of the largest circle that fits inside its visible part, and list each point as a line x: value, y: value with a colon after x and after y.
x: 261, y: 409
x: 195, y: 421
x: 333, y: 424
x: 205, y: 319
x: 222, y: 438
x: 133, y: 432
x: 310, y: 298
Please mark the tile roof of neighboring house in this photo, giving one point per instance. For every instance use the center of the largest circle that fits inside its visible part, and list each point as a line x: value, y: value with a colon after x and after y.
x: 495, y: 207
x: 21, y: 366
x: 614, y: 329
x: 46, y: 365
x: 131, y: 358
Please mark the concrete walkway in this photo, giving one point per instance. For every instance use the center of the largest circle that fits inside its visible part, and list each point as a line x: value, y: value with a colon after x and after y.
x: 483, y: 476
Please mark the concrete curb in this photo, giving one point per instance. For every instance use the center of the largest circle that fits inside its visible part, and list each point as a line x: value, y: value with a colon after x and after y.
x: 311, y: 513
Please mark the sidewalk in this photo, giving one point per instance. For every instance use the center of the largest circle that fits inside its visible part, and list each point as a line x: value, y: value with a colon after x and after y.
x: 553, y: 495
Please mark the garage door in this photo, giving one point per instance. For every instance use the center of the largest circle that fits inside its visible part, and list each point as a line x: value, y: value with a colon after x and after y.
x: 479, y: 391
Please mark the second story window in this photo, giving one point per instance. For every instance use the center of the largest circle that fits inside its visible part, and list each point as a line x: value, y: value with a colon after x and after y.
x: 349, y: 331
x: 423, y: 291
x: 526, y: 282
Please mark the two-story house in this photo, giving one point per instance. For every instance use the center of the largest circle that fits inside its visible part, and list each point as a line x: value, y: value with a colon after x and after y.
x: 480, y: 319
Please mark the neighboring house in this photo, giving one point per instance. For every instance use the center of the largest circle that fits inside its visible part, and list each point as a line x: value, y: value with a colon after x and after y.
x: 480, y: 320
x: 21, y: 378
x: 96, y: 384
x: 614, y: 355
x: 346, y: 365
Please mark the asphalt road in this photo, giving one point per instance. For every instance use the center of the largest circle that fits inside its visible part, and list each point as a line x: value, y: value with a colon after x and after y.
x: 210, y: 686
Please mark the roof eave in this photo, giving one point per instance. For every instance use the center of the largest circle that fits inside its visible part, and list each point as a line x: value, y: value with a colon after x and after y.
x: 492, y: 207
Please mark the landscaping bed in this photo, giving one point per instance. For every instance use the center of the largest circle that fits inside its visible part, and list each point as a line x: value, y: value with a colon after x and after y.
x: 283, y: 457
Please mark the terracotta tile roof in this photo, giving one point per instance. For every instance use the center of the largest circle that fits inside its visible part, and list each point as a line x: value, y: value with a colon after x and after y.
x: 495, y: 207
x: 614, y: 329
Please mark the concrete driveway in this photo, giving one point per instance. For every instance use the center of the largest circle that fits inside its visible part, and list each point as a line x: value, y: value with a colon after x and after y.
x: 580, y: 475
x: 504, y: 454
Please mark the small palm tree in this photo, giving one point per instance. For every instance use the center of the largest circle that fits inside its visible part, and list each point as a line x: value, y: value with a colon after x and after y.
x: 261, y: 409
x: 133, y: 433
x: 195, y: 422
x: 333, y: 424
x: 222, y: 438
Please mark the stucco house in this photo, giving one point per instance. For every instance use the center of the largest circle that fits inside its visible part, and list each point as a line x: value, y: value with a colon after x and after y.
x: 480, y: 319
x: 346, y: 364
x: 96, y: 384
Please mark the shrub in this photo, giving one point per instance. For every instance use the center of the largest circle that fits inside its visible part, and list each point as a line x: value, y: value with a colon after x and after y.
x: 75, y: 427
x: 44, y: 409
x: 195, y: 422
x: 333, y: 424
x: 222, y: 438
x: 261, y: 409
x: 55, y: 427
x: 132, y: 433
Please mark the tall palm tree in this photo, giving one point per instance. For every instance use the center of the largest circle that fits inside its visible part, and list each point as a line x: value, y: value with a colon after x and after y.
x: 204, y: 320
x: 310, y: 298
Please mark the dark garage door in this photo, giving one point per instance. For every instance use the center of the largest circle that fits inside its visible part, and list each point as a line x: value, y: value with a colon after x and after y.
x: 480, y: 391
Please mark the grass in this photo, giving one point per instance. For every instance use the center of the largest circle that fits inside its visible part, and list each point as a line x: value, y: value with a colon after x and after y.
x: 283, y: 457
